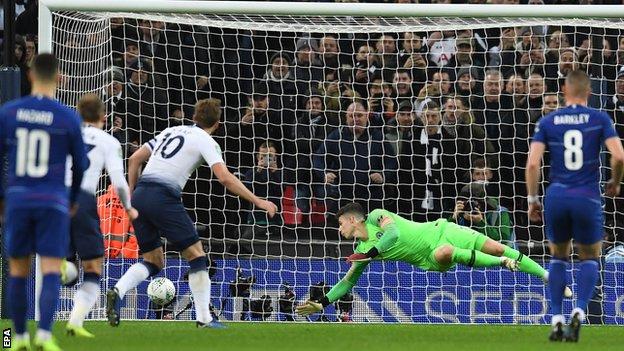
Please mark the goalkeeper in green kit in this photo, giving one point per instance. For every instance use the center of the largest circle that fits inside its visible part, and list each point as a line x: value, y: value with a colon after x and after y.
x: 432, y: 246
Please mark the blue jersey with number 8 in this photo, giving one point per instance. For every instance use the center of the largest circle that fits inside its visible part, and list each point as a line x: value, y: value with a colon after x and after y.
x: 37, y: 134
x: 574, y: 136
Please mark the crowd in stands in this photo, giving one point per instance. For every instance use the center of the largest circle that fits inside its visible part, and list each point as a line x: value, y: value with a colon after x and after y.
x: 427, y: 124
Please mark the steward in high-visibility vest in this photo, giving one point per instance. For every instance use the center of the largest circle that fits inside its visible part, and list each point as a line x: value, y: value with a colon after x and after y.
x: 119, y: 240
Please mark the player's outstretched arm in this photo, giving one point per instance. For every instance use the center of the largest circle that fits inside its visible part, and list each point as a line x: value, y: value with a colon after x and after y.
x: 532, y: 176
x: 234, y: 185
x: 339, y: 290
x: 614, y: 145
x: 114, y: 167
x: 135, y: 162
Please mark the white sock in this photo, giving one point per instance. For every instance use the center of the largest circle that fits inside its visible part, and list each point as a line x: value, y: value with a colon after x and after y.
x: 199, y: 282
x: 558, y: 318
x: 43, y: 335
x: 83, y: 302
x: 133, y: 277
x: 545, y: 277
x: 580, y: 312
x: 20, y: 337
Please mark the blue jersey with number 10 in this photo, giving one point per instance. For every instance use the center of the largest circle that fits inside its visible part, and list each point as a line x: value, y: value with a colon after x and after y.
x: 37, y: 134
x: 574, y: 136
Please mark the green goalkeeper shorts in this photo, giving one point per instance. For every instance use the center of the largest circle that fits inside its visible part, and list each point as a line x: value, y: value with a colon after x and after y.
x: 456, y: 236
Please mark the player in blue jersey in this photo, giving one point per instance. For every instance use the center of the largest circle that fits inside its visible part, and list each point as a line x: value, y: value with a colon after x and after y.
x: 572, y: 204
x: 37, y: 133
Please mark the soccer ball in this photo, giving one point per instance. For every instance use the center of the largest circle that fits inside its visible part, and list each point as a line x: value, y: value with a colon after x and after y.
x: 69, y: 273
x: 161, y: 291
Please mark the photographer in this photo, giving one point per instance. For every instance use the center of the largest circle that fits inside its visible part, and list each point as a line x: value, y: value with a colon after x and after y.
x: 484, y: 214
x: 265, y: 179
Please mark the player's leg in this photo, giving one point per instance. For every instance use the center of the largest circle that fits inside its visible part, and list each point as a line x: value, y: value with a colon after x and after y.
x: 179, y: 229
x: 525, y: 263
x: 460, y: 248
x: 19, y: 268
x: 150, y: 207
x: 587, y: 232
x: 52, y: 241
x: 85, y: 297
x: 558, y: 231
x: 86, y: 241
x: 199, y: 282
x: 19, y: 242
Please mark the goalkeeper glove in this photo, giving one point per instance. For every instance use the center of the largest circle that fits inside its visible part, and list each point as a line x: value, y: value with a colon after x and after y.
x: 309, y: 307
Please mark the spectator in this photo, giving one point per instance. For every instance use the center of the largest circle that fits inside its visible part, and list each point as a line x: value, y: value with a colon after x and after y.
x: 265, y: 179
x: 465, y: 54
x: 258, y: 123
x: 535, y: 101
x: 469, y: 139
x: 20, y: 61
x: 311, y: 130
x: 130, y: 54
x: 441, y: 47
x: 568, y: 62
x: 413, y: 57
x: 552, y: 102
x: 402, y: 81
x: 31, y: 48
x: 307, y: 73
x: 516, y: 87
x: 365, y: 69
x: 443, y: 80
x: 386, y: 50
x: 143, y: 106
x: 466, y: 86
x: 282, y: 90
x: 162, y: 46
x: 403, y: 137
x: 557, y: 42
x: 354, y: 162
x: 615, y: 106
x: 483, y: 213
x: 505, y: 56
x: 27, y: 23
x: 330, y: 51
x: 430, y: 162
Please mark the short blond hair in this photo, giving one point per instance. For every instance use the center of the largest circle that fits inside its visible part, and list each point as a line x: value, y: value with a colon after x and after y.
x: 91, y: 108
x: 577, y: 84
x: 207, y: 112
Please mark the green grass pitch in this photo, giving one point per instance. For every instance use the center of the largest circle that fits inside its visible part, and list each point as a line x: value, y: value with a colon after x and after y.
x: 174, y: 336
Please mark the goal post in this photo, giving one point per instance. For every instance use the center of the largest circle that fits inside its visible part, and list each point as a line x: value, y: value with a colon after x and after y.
x: 249, y: 55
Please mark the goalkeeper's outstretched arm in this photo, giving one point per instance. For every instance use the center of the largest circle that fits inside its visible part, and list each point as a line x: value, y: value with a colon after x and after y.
x: 339, y: 290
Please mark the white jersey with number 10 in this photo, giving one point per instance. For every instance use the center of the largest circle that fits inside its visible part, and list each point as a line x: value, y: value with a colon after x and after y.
x: 177, y: 152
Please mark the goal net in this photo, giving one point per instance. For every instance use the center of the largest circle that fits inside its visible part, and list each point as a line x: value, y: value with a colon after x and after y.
x: 410, y: 114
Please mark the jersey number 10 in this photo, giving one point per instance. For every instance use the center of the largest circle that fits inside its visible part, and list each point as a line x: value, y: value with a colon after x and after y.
x: 33, y: 152
x: 573, y: 154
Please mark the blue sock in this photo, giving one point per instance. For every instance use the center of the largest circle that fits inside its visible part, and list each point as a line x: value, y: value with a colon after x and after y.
x: 587, y: 278
x: 556, y: 284
x: 48, y: 300
x: 16, y: 291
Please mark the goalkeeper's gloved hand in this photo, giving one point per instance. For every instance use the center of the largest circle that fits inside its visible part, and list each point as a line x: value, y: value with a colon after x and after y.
x: 358, y: 257
x: 309, y: 307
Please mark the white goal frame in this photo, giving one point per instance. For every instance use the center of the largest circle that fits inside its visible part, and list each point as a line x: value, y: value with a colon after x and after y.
x: 46, y: 7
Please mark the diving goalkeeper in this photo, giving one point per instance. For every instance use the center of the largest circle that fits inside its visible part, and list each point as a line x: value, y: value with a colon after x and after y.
x: 432, y: 246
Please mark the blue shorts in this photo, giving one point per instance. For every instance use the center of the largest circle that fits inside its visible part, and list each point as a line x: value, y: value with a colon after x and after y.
x: 161, y: 214
x: 44, y: 231
x: 577, y: 218
x: 86, y: 236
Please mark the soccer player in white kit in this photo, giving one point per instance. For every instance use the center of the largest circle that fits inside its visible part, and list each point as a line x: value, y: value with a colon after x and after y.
x: 173, y: 156
x: 103, y: 151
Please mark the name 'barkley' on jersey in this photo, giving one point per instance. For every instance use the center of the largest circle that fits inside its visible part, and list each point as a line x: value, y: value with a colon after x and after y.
x: 574, y: 135
x: 177, y: 152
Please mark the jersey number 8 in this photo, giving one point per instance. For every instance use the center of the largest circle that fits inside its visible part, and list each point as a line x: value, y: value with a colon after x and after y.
x: 573, y: 154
